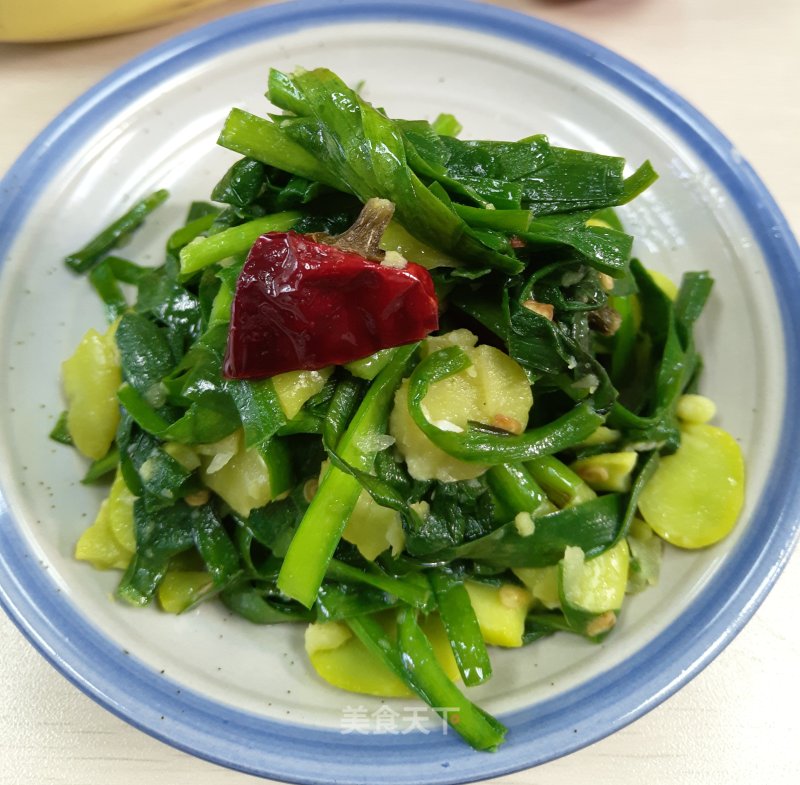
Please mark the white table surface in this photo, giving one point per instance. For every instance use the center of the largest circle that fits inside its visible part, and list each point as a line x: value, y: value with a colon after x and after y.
x: 739, y: 61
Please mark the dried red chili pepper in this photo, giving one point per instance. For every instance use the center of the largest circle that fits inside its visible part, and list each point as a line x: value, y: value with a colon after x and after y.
x: 302, y: 305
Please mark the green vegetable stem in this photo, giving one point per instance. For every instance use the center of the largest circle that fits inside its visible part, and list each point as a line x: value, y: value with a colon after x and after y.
x: 321, y: 527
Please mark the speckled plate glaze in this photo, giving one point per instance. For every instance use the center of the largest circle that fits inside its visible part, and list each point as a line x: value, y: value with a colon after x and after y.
x: 244, y: 696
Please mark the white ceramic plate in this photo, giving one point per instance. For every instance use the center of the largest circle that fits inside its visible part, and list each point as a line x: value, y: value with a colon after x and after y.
x: 242, y: 695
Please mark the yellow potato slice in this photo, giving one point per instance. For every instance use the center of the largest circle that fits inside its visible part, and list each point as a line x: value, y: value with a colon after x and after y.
x: 542, y: 582
x: 91, y: 379
x: 500, y: 611
x: 342, y: 660
x: 695, y: 496
x: 120, y: 513
x: 595, y: 585
x: 180, y: 589
x: 99, y: 547
x: 608, y: 471
x: 373, y: 529
x: 493, y: 390
x: 294, y: 388
x: 237, y: 475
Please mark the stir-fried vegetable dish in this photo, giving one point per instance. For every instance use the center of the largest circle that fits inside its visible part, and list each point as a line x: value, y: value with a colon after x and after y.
x: 406, y: 389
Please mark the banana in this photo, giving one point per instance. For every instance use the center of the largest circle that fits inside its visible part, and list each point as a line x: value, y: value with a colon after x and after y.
x: 45, y: 20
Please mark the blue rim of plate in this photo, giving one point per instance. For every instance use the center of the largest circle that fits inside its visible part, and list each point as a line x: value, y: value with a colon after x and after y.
x: 548, y: 730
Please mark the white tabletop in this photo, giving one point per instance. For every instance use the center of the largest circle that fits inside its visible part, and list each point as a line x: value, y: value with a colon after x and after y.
x: 739, y: 61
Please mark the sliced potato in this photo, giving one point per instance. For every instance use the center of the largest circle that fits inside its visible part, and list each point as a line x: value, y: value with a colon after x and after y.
x: 183, y: 454
x: 180, y: 589
x: 695, y: 409
x: 237, y: 475
x: 542, y: 582
x: 120, y: 513
x: 342, y: 660
x: 695, y: 496
x: 91, y: 379
x: 294, y: 388
x: 598, y: 584
x: 373, y: 529
x: 500, y: 611
x: 493, y: 390
x: 607, y: 471
x: 99, y: 547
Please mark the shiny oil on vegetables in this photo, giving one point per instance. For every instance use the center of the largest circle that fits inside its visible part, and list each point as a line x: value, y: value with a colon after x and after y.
x: 408, y: 390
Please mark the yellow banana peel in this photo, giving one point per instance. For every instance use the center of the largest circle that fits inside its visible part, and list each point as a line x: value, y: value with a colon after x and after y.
x: 46, y: 20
